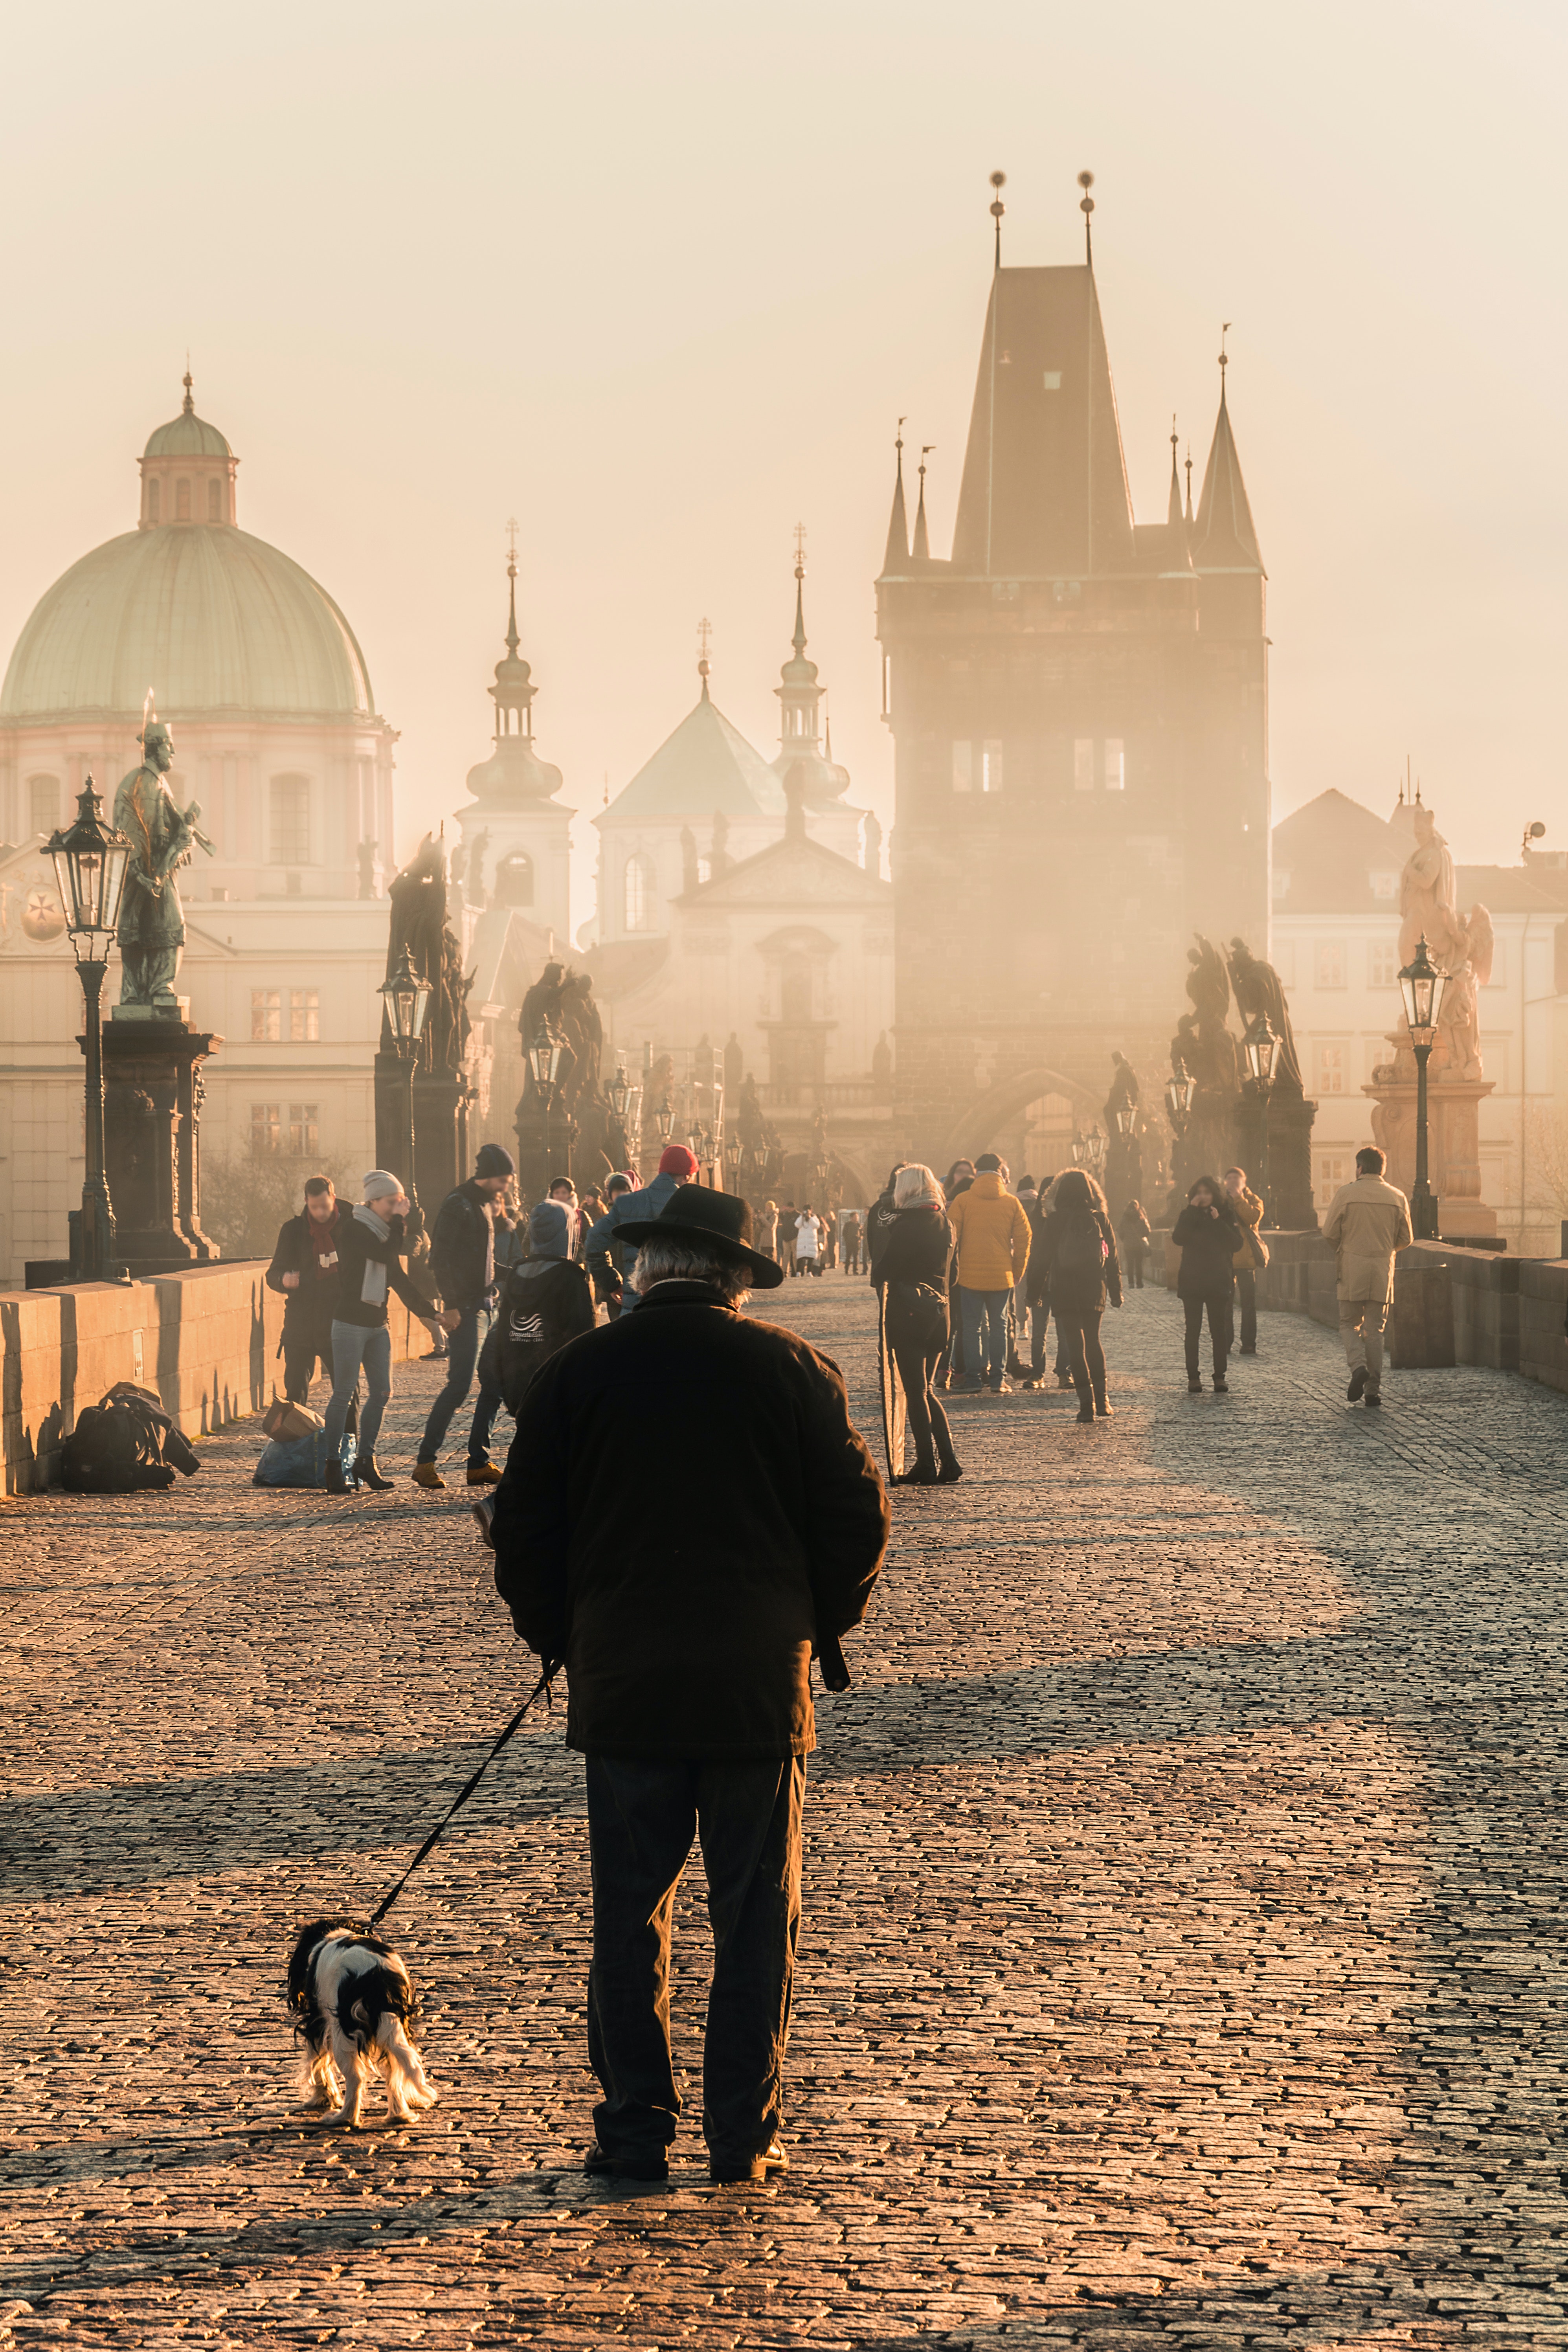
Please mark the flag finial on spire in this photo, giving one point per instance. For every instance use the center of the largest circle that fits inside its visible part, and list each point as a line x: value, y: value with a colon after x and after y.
x: 187, y: 406
x: 1085, y: 181
x: 1223, y: 360
x: 704, y: 639
x: 998, y: 181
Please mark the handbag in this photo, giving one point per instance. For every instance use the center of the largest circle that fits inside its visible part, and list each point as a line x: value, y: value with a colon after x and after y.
x: 916, y: 1315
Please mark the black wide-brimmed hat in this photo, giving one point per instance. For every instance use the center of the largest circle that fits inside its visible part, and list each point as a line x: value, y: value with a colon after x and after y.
x: 721, y: 1222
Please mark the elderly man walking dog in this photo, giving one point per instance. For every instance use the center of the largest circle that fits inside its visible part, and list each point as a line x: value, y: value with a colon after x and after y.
x: 687, y: 1517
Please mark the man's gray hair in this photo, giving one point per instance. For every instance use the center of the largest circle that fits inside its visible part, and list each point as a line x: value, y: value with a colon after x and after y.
x: 674, y: 1261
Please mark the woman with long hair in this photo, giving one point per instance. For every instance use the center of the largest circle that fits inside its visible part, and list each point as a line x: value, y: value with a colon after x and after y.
x: 1081, y: 1268
x: 913, y: 1267
x: 1206, y: 1233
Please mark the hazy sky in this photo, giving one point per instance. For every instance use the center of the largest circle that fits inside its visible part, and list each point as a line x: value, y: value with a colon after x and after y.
x: 659, y: 280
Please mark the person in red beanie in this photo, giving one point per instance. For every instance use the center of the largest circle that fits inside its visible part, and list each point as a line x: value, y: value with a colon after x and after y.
x: 677, y: 1166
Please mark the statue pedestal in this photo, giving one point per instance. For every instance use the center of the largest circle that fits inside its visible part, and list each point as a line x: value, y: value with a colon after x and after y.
x: 152, y: 1125
x: 1289, y: 1157
x: 1453, y: 1147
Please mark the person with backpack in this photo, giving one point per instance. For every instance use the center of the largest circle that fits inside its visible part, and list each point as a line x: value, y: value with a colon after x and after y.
x: 1206, y: 1233
x: 1081, y: 1268
x: 912, y: 1269
x: 371, y: 1245
x: 548, y: 1299
x: 1132, y: 1229
x: 992, y: 1232
x: 463, y: 1269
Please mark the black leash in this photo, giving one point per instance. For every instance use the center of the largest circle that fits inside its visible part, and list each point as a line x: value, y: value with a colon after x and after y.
x: 552, y: 1666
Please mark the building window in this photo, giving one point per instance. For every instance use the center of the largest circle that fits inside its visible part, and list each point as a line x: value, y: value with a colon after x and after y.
x: 704, y: 871
x: 290, y: 811
x: 991, y: 767
x: 1330, y: 963
x: 266, y: 1129
x: 1083, y: 764
x: 1115, y: 764
x: 1385, y: 884
x: 215, y: 500
x: 304, y: 1015
x: 304, y: 1131
x: 1382, y: 963
x: 514, y: 881
x: 155, y: 499
x: 963, y: 766
x: 43, y: 803
x: 181, y: 501
x: 1330, y: 1070
x: 266, y: 1016
x: 638, y: 900
x: 1334, y: 1169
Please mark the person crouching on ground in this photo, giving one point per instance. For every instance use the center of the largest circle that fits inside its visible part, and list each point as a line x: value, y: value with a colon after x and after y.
x: 1207, y: 1233
x: 912, y: 1269
x: 687, y: 1514
x: 370, y: 1246
x: 1367, y: 1223
x: 1081, y: 1268
x: 992, y: 1230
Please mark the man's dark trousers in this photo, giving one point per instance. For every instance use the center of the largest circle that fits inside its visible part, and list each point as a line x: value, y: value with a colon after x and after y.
x: 462, y: 1351
x: 643, y: 1814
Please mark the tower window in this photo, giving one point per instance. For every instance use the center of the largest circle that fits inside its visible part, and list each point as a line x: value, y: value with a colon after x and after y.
x: 1330, y: 963
x: 1330, y: 1071
x: 266, y: 1129
x: 638, y: 901
x: 1115, y: 764
x: 266, y: 1017
x: 290, y: 811
x: 43, y: 803
x: 304, y: 1131
x: 155, y: 499
x: 215, y: 500
x: 181, y: 501
x: 1382, y: 963
x: 991, y: 767
x: 514, y: 881
x: 1083, y: 764
x: 304, y: 1015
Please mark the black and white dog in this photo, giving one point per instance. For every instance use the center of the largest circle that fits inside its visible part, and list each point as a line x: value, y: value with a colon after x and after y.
x: 355, y: 2006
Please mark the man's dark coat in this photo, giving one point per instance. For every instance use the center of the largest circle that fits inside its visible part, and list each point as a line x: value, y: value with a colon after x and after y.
x: 686, y: 1509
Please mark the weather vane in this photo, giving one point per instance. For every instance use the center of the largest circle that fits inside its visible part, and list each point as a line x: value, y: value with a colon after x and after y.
x: 800, y: 547
x: 704, y: 639
x: 1224, y: 357
x: 998, y: 180
x: 511, y: 543
x: 1085, y: 181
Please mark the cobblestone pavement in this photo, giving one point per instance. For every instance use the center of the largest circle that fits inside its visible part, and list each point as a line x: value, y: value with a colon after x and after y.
x: 1183, y: 1951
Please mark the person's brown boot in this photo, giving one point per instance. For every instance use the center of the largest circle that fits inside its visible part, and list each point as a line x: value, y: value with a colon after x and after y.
x: 483, y: 1473
x: 425, y: 1474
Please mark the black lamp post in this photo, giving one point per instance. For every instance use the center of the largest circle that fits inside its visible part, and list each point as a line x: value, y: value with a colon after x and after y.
x: 89, y: 870
x: 407, y: 999
x: 1421, y: 985
x: 732, y: 1159
x: 544, y: 1061
x: 1260, y: 1049
x: 664, y: 1120
x: 1179, y: 1091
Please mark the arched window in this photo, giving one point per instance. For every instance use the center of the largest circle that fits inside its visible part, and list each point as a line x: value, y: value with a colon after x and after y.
x: 154, y: 491
x: 638, y: 898
x: 215, y: 500
x: 289, y: 813
x: 795, y: 990
x: 43, y: 803
x: 514, y: 881
x: 181, y: 501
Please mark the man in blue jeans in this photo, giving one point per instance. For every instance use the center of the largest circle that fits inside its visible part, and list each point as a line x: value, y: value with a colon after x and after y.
x: 991, y: 1230
x: 463, y: 1269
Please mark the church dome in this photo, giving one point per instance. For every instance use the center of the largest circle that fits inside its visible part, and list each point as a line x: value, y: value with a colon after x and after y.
x: 187, y: 435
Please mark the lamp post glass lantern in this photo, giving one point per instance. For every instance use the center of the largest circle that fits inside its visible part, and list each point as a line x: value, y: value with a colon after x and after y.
x: 89, y: 862
x: 664, y: 1119
x: 1260, y: 1051
x: 407, y: 999
x: 1421, y: 987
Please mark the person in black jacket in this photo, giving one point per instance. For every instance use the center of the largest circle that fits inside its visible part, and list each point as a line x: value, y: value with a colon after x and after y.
x: 370, y: 1245
x: 1133, y: 1227
x: 912, y: 1269
x: 1081, y: 1268
x: 463, y: 1269
x: 1206, y: 1233
x: 879, y: 1219
x: 304, y: 1270
x: 548, y: 1299
x: 688, y: 1513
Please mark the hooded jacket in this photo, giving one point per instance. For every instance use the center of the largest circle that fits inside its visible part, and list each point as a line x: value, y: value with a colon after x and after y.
x: 1208, y: 1249
x: 991, y: 1228
x: 546, y: 1302
x: 1367, y: 1221
x: 632, y: 1208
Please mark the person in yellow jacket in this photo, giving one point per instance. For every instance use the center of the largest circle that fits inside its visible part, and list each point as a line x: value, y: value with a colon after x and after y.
x: 1367, y: 1225
x: 991, y: 1228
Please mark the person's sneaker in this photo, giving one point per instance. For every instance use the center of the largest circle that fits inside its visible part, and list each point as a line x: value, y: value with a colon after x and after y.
x: 1247, y: 1351
x: 1357, y: 1382
x: 1221, y: 1388
x: 1030, y: 1386
x: 652, y: 2166
x: 1001, y: 1388
x: 1194, y: 1386
x: 483, y: 1473
x: 772, y: 2160
x: 1064, y: 1380
x: 1372, y: 1397
x: 1086, y: 1412
x: 425, y: 1474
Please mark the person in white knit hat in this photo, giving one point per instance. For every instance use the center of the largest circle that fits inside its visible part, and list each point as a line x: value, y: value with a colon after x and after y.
x: 370, y: 1248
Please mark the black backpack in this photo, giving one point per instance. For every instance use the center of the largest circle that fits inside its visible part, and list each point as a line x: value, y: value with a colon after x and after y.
x: 122, y: 1444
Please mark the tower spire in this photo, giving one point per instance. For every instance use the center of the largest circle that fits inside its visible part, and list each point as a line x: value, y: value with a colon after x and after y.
x: 923, y: 536
x: 704, y: 639
x: 1173, y: 507
x: 1085, y: 181
x: 897, y: 557
x: 1226, y: 539
x: 187, y: 406
x: 798, y: 640
x: 998, y: 181
x: 1189, y: 466
x: 512, y: 637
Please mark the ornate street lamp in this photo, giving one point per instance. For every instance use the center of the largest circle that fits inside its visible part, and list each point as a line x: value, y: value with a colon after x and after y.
x: 1179, y: 1091
x: 1260, y: 1051
x: 732, y: 1158
x: 90, y: 862
x: 1126, y: 1119
x: 1421, y: 985
x: 1094, y: 1144
x: 407, y: 999
x: 544, y: 1062
x: 664, y: 1119
x: 620, y: 1094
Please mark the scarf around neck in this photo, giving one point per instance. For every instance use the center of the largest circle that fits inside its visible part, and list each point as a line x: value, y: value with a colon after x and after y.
x: 372, y: 1289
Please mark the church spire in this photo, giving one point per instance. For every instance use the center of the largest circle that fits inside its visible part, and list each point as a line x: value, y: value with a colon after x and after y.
x: 1226, y: 539
x: 799, y: 694
x: 923, y: 536
x: 513, y: 689
x: 1173, y: 516
x: 897, y: 558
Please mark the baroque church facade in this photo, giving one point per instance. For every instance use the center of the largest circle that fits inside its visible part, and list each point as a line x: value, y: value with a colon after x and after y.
x: 1080, y: 710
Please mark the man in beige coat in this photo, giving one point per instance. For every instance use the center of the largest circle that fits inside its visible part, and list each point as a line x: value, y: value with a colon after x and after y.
x: 1367, y: 1223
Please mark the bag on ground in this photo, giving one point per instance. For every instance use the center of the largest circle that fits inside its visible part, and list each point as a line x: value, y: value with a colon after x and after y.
x: 301, y: 1461
x: 124, y: 1443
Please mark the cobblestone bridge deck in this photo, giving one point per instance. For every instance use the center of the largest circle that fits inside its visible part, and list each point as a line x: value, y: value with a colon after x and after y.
x: 1183, y: 1951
